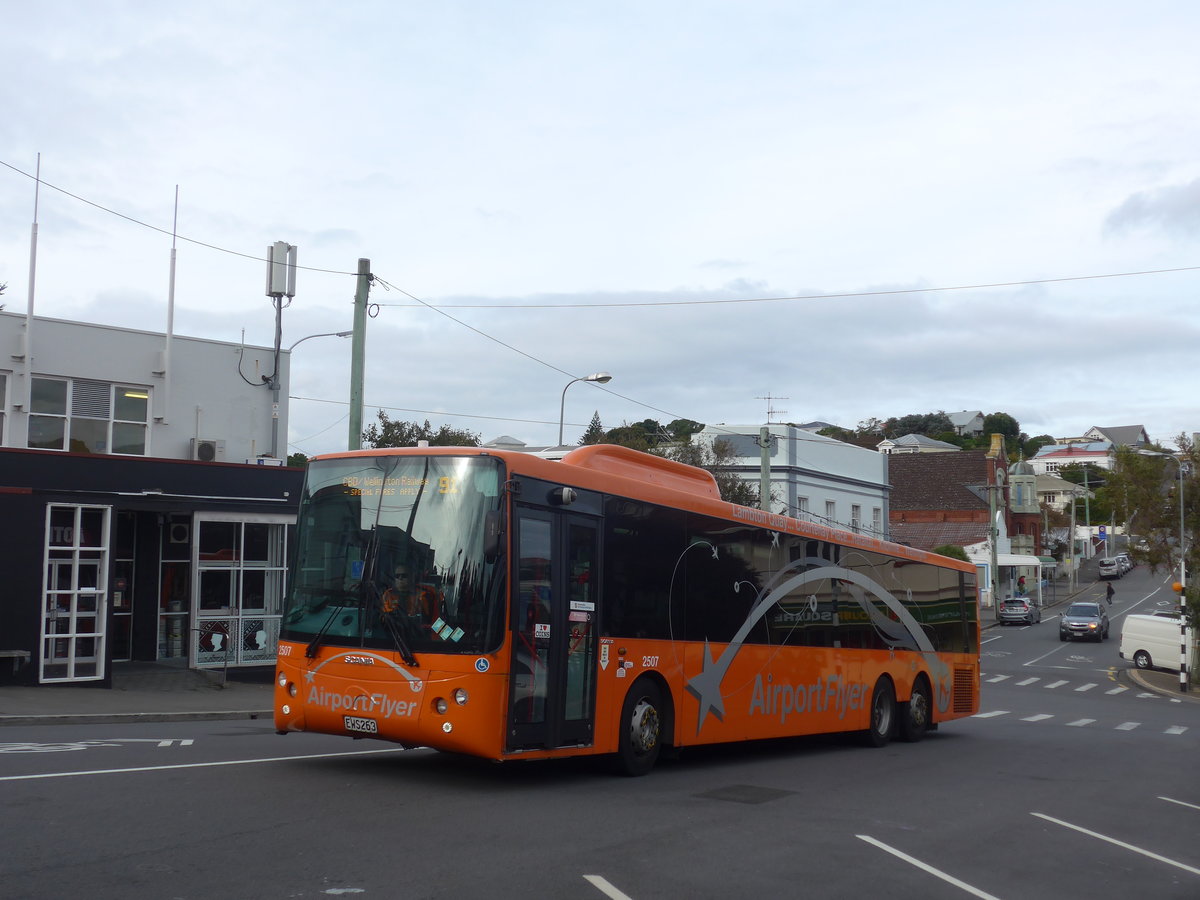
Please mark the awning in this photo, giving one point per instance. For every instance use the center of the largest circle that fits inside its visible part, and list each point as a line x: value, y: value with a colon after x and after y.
x: 1009, y: 559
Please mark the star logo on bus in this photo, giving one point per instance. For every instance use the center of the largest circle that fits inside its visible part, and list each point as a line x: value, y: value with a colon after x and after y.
x: 706, y: 687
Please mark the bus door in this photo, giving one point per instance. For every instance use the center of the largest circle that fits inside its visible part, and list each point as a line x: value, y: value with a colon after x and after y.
x: 553, y: 691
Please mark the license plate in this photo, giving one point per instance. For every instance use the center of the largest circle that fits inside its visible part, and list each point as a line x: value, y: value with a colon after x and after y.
x: 365, y: 726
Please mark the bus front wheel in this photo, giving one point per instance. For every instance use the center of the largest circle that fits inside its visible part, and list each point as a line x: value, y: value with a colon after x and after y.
x: 915, y: 716
x: 640, y: 729
x: 883, y: 714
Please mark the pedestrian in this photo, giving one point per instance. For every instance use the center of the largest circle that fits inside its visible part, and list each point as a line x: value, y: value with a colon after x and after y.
x: 1108, y: 593
x: 1021, y: 586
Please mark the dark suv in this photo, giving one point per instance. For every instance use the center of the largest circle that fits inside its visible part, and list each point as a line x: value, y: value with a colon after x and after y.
x: 1084, y: 620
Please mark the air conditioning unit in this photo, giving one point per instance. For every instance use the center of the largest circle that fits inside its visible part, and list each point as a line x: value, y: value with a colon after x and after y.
x: 208, y: 450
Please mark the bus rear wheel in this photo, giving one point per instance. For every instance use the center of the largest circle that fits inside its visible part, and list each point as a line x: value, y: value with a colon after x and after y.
x: 640, y: 729
x: 915, y: 717
x: 883, y: 714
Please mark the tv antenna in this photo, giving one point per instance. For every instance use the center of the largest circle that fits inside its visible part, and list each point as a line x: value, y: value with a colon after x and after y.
x: 771, y: 410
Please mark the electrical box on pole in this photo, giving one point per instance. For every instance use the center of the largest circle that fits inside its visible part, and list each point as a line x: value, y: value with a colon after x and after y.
x: 281, y: 270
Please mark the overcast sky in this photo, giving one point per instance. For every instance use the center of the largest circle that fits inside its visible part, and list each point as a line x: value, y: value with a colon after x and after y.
x: 571, y: 187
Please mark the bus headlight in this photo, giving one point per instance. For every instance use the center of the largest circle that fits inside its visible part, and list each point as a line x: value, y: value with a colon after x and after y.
x: 282, y: 679
x: 291, y: 689
x: 460, y: 696
x: 441, y: 705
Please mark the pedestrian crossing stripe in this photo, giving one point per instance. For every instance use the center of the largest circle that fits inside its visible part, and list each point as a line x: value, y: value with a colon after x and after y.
x: 1078, y: 723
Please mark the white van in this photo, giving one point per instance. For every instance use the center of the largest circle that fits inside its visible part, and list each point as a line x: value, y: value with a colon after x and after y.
x: 1151, y: 641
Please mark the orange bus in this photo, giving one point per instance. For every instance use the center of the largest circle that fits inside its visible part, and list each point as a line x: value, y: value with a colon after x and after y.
x: 510, y: 607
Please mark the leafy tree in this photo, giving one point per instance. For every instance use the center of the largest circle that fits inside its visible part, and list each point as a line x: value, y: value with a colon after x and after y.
x: 595, y: 431
x: 299, y: 460
x: 1034, y: 444
x: 1003, y: 423
x: 918, y: 423
x: 954, y: 551
x: 683, y: 429
x: 389, y: 432
x: 1155, y: 503
x: 643, y: 435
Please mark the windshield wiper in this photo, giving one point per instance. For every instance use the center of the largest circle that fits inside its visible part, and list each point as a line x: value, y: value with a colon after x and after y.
x: 375, y: 608
x: 311, y: 650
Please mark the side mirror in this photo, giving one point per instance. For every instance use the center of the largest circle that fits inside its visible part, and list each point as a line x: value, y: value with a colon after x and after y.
x: 492, y: 534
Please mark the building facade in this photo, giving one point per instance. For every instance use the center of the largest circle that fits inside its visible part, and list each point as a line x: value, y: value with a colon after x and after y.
x: 812, y: 476
x: 144, y: 516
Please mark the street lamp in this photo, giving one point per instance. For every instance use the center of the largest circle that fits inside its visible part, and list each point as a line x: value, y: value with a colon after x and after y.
x: 322, y: 334
x: 598, y: 377
x: 275, y: 387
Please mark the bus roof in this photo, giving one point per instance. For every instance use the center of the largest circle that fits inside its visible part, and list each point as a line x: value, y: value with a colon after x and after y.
x: 612, y: 469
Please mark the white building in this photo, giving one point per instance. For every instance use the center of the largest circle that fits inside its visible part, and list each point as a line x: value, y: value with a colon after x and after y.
x: 812, y: 476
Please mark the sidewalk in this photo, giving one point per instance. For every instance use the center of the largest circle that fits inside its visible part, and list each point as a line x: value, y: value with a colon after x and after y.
x: 141, y: 692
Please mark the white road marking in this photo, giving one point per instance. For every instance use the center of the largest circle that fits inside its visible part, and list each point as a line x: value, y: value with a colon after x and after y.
x: 1085, y: 687
x: 228, y: 762
x: 601, y: 884
x: 1180, y: 802
x: 1028, y: 681
x: 1054, y: 684
x: 1176, y: 729
x: 1117, y: 690
x: 1040, y: 717
x: 990, y: 715
x: 1126, y: 846
x: 1079, y: 723
x: 925, y: 867
x: 1128, y: 726
x: 1145, y: 694
x: 996, y: 678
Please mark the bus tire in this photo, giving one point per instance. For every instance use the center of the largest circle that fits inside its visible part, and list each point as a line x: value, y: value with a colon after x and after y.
x: 883, y: 714
x: 640, y: 729
x: 916, y: 713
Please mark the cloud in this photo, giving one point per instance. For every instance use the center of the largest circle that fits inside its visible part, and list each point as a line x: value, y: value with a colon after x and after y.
x: 1174, y: 210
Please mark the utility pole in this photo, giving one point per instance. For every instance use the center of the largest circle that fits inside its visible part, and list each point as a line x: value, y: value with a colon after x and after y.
x: 764, y: 469
x: 1074, y: 500
x: 357, y: 352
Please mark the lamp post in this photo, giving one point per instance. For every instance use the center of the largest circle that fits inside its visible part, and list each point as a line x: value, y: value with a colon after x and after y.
x: 275, y: 387
x: 598, y: 377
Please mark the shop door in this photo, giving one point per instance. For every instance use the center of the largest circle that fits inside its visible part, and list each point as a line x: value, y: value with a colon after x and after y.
x: 553, y: 688
x: 74, y: 607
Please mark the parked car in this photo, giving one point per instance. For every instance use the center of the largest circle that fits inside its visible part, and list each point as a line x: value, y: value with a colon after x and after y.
x: 1125, y: 561
x: 1110, y: 568
x: 1151, y: 641
x: 1084, y: 620
x: 1019, y: 609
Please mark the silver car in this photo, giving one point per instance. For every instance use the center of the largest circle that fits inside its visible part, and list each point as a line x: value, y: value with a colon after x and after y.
x: 1019, y: 609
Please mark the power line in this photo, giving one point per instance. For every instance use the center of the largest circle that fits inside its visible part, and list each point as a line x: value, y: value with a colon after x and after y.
x: 835, y: 295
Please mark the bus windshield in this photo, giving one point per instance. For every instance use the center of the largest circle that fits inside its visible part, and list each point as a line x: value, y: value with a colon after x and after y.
x: 393, y: 553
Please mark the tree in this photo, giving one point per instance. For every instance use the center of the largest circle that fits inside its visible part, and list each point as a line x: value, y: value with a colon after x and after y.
x: 954, y: 551
x: 638, y: 436
x: 397, y: 433
x: 595, y: 431
x: 683, y: 429
x: 1034, y: 444
x: 299, y: 460
x: 1003, y: 423
x: 1155, y: 502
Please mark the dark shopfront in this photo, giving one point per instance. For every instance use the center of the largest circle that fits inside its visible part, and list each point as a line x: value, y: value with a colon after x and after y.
x: 106, y: 559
